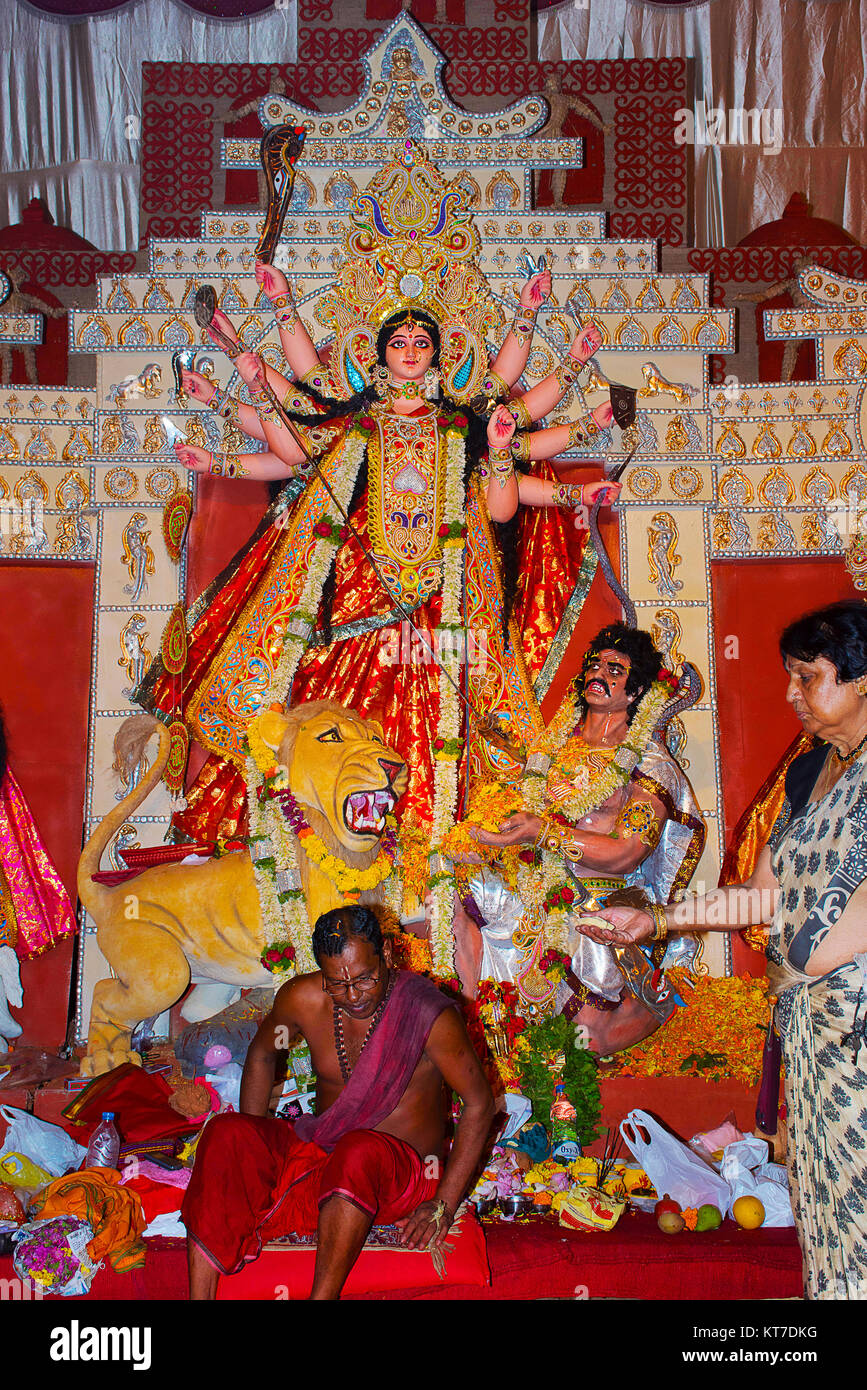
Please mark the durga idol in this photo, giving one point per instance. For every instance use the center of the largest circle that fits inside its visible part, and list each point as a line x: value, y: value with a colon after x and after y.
x: 431, y: 458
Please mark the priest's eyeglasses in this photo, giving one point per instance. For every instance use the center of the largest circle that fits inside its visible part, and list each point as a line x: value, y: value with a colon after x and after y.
x: 364, y: 983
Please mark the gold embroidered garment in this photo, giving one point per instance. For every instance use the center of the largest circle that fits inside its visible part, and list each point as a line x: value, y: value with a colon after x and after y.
x: 406, y: 482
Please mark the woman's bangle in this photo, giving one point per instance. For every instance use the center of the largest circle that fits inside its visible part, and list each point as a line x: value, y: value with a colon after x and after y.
x: 520, y: 413
x: 285, y: 311
x: 550, y: 836
x: 223, y: 404
x: 568, y: 495
x: 567, y: 373
x: 660, y: 924
x: 580, y: 431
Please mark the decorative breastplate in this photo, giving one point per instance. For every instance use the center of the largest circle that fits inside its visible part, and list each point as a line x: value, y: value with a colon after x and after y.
x: 406, y: 493
x: 573, y: 773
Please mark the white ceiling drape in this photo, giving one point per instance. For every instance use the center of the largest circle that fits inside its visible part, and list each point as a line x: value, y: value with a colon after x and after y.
x: 802, y: 58
x: 73, y: 95
x: 73, y: 84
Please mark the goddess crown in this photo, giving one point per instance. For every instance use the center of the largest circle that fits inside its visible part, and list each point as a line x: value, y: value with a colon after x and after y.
x: 411, y: 244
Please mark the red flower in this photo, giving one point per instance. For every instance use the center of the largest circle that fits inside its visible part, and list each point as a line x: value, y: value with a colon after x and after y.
x: 461, y: 421
x: 322, y: 528
x: 366, y: 422
x: 439, y: 744
x: 444, y: 531
x: 288, y: 952
x: 273, y: 955
x: 567, y: 895
x: 344, y: 533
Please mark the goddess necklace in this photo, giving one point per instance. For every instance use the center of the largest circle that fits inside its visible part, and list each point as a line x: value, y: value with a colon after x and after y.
x: 339, y: 1041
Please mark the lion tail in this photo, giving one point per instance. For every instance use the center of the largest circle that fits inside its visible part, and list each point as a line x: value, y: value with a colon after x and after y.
x: 130, y: 742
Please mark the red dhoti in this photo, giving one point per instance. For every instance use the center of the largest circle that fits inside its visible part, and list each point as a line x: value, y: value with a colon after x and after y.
x: 256, y: 1181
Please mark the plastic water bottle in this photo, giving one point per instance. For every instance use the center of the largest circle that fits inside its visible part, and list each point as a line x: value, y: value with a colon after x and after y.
x: 103, y: 1151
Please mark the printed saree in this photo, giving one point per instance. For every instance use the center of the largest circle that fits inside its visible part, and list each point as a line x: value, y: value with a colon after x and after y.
x: 819, y: 856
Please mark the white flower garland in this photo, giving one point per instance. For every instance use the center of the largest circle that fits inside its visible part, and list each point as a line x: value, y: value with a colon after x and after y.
x: 447, y: 747
x: 282, y: 901
x: 299, y: 627
x: 536, y: 882
x: 278, y: 882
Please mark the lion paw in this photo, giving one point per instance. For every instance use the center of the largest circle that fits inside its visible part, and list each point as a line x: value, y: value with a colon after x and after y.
x: 99, y: 1062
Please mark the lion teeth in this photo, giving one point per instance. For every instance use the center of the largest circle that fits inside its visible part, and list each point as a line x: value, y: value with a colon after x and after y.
x: 366, y: 812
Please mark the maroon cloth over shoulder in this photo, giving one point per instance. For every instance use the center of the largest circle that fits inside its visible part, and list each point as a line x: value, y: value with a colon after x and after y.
x: 383, y: 1071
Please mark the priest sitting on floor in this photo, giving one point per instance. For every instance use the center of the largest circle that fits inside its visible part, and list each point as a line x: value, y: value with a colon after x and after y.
x: 384, y: 1043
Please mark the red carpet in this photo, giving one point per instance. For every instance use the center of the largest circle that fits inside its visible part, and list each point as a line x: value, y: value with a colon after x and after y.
x: 538, y: 1259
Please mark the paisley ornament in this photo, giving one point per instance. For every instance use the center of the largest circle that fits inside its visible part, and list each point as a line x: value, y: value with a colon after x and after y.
x: 173, y: 644
x: 176, y: 519
x: 176, y: 764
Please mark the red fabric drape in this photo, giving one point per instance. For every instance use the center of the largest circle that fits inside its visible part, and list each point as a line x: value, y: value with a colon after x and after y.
x: 753, y: 601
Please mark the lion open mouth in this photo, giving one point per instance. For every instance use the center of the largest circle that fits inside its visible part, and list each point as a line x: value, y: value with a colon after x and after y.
x: 364, y: 813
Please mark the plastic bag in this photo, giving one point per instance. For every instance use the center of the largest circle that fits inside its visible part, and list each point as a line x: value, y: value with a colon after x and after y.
x: 746, y: 1169
x: 672, y: 1167
x: 47, y: 1145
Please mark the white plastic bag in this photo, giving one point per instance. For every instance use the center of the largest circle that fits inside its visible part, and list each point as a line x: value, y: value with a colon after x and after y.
x: 746, y: 1169
x: 672, y: 1167
x: 44, y: 1143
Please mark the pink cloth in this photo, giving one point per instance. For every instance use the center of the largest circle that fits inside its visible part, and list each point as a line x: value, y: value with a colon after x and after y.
x: 43, y: 911
x: 383, y: 1071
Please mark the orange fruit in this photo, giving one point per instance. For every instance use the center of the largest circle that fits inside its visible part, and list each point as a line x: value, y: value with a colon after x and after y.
x: 748, y: 1212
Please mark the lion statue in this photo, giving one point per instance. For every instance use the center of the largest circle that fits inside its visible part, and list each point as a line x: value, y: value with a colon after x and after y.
x: 177, y: 921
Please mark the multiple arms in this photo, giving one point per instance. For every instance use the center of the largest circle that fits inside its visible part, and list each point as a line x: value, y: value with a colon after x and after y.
x: 506, y: 489
x: 504, y: 493
x: 540, y: 400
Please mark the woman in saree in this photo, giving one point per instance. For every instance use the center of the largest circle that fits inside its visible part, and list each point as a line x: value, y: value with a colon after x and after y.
x: 812, y: 874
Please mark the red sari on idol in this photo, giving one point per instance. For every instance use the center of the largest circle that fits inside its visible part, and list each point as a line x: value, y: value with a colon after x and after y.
x: 375, y: 664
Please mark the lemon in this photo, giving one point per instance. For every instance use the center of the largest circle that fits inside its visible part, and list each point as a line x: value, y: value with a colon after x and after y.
x: 748, y: 1212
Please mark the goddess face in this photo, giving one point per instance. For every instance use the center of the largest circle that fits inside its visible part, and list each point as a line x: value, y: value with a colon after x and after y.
x: 409, y: 353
